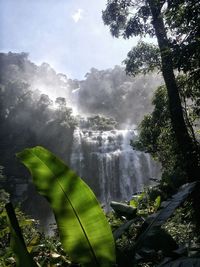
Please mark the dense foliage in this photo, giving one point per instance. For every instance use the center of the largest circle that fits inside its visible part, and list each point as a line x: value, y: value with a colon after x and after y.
x: 45, y: 250
x: 157, y: 136
x: 143, y: 237
x: 175, y: 24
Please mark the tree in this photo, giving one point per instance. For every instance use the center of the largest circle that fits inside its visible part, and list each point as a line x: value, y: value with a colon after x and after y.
x: 28, y: 117
x: 176, y: 26
x: 157, y: 138
x: 128, y: 18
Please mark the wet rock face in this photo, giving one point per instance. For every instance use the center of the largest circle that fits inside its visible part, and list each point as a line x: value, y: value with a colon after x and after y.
x: 107, y: 162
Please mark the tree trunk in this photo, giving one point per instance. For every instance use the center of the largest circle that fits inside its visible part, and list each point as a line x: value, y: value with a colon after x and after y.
x: 186, y: 145
x: 185, y: 142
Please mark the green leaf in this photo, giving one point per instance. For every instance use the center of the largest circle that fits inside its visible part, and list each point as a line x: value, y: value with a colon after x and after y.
x: 23, y: 258
x: 164, y: 214
x: 84, y: 231
x: 157, y: 202
x: 133, y: 203
x: 189, y: 262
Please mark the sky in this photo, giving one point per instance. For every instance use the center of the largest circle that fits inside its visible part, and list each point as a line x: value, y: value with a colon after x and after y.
x: 67, y: 34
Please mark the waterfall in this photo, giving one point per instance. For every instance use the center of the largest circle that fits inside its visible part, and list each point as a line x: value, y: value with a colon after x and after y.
x: 109, y: 165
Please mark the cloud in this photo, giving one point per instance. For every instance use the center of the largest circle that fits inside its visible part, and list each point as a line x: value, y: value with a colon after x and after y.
x: 77, y: 15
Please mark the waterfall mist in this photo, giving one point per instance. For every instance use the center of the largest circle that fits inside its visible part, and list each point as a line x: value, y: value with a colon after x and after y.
x: 88, y: 123
x: 107, y: 162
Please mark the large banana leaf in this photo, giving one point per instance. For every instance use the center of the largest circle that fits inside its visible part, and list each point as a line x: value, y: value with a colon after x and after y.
x: 84, y: 231
x: 23, y: 258
x: 161, y: 217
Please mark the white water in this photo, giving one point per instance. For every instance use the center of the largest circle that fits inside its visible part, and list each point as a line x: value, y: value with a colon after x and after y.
x: 107, y: 162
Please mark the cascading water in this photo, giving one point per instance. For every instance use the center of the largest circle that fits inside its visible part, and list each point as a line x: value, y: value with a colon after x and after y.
x: 107, y: 162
